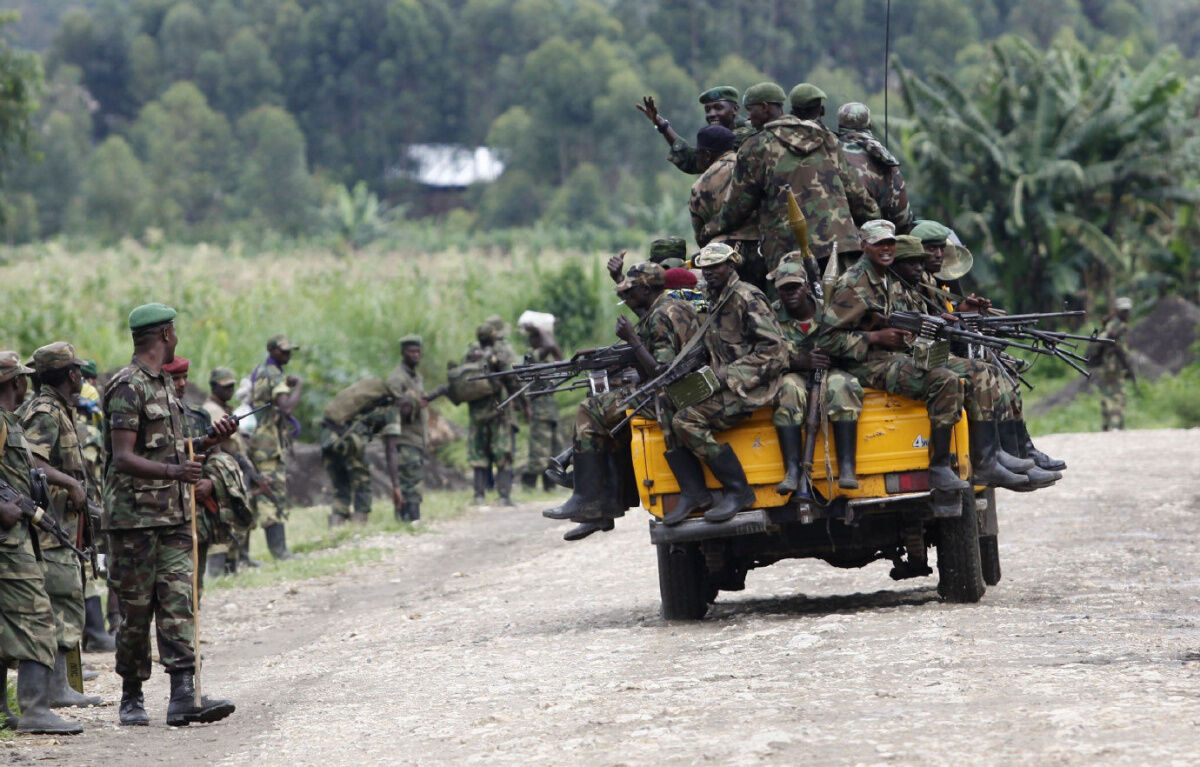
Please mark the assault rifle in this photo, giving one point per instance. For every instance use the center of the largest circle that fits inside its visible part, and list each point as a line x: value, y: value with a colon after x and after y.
x: 543, y: 378
x: 238, y: 418
x: 38, y: 517
x: 690, y: 361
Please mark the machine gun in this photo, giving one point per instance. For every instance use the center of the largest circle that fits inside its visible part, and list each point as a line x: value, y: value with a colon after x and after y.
x: 544, y: 378
x: 689, y: 364
x: 38, y: 517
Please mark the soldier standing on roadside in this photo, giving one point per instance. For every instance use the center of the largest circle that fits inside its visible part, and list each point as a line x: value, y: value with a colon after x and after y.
x: 490, y: 438
x: 541, y: 413
x: 412, y: 443
x: 271, y: 444
x: 147, y: 521
x: 1115, y: 368
x: 355, y: 416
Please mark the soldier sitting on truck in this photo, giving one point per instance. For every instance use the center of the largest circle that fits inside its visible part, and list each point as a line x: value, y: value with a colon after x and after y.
x: 665, y: 324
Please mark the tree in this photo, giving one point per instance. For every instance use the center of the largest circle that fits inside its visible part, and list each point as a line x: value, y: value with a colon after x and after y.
x: 20, y: 80
x: 114, y: 194
x: 275, y: 185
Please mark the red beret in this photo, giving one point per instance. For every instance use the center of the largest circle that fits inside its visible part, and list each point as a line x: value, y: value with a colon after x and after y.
x: 176, y: 366
x: 678, y: 277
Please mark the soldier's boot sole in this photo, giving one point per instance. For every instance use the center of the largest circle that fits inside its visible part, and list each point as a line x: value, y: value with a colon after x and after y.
x: 584, y: 529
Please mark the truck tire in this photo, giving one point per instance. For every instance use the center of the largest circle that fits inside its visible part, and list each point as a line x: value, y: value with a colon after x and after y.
x: 683, y: 582
x: 989, y: 555
x: 960, y: 571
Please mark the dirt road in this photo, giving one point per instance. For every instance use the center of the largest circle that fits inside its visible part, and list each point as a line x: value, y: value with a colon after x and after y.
x: 493, y: 642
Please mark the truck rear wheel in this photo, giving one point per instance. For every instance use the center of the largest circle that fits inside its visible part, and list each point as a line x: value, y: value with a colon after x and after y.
x: 960, y: 570
x: 683, y: 581
x: 989, y: 552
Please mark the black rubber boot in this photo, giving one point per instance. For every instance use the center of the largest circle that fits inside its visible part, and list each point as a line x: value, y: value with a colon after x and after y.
x: 34, y: 682
x: 624, y: 492
x: 481, y: 477
x: 244, y: 553
x: 693, y: 495
x: 1042, y: 460
x: 559, y: 470
x: 215, y: 566
x: 62, y: 695
x: 791, y: 444
x: 7, y: 718
x: 548, y: 484
x: 985, y: 441
x: 941, y: 474
x: 182, y: 709
x: 95, y: 638
x: 529, y: 480
x: 414, y: 511
x: 1009, y: 453
x: 584, y: 529
x: 504, y: 483
x: 588, y: 501
x: 133, y: 704
x: 845, y: 442
x: 277, y: 541
x: 736, y: 493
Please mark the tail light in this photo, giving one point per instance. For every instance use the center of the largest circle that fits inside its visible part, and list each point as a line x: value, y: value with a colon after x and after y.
x: 906, y: 482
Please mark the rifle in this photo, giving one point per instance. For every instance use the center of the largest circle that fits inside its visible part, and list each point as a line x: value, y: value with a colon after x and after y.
x: 212, y: 432
x: 812, y: 419
x: 37, y: 516
x: 544, y: 378
x: 440, y: 391
x: 684, y: 364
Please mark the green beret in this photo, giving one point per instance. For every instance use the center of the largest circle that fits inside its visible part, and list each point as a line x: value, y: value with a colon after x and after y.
x: 764, y: 93
x: 148, y: 315
x: 907, y: 247
x: 668, y: 247
x: 719, y: 93
x: 804, y: 94
x: 90, y: 369
x: 930, y: 231
x: 412, y: 339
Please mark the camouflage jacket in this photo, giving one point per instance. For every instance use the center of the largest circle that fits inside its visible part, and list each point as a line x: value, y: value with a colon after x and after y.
x: 15, y: 463
x: 879, y: 173
x: 798, y: 335
x: 745, y: 344
x: 806, y: 155
x: 709, y: 194
x: 668, y: 325
x: 500, y: 356
x: 543, y: 408
x: 91, y: 444
x: 1111, y: 366
x: 409, y: 386
x: 142, y: 401
x: 272, y: 438
x: 196, y: 421
x: 685, y: 157
x: 858, y: 294
x: 49, y: 424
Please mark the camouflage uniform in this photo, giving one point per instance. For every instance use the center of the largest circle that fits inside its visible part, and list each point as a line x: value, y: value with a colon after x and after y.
x: 792, y: 406
x: 490, y: 437
x: 747, y: 351
x: 49, y: 424
x: 709, y: 194
x: 685, y: 157
x: 344, y: 452
x: 271, y: 443
x: 806, y: 155
x: 28, y: 628
x: 239, y: 524
x: 877, y: 169
x: 859, y: 292
x: 1112, y: 376
x: 543, y: 423
x: 411, y: 445
x: 229, y: 501
x: 147, y: 522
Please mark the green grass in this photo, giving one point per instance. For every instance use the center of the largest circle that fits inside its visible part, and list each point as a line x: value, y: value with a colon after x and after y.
x: 1171, y: 402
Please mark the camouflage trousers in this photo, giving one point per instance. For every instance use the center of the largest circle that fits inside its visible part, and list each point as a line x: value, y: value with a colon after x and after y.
x: 598, y: 414
x: 150, y: 569
x: 940, y: 388
x: 273, y: 510
x: 543, y: 444
x: 1113, y: 401
x: 490, y: 443
x: 843, y: 395
x: 983, y: 396
x: 27, y: 624
x: 65, y: 589
x: 791, y: 404
x: 345, y: 460
x: 695, y: 426
x: 410, y: 466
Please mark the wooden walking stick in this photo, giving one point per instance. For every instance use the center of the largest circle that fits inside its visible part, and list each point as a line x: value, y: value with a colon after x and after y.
x: 191, y: 453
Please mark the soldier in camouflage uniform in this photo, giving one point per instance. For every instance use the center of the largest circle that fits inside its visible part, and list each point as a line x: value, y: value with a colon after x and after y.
x: 147, y: 521
x: 1115, y: 368
x: 412, y: 401
x: 356, y: 415
x: 228, y: 556
x: 720, y: 108
x: 877, y: 169
x: 804, y: 154
x: 711, y: 191
x: 271, y: 444
x: 747, y: 352
x: 541, y: 413
x: 91, y: 445
x: 604, y: 487
x: 490, y: 435
x: 49, y: 424
x: 27, y: 622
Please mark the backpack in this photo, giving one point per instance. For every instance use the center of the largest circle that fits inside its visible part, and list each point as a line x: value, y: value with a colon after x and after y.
x: 462, y: 389
x: 357, y: 398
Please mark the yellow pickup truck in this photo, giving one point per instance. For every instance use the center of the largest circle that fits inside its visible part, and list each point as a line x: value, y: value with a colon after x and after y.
x: 889, y: 516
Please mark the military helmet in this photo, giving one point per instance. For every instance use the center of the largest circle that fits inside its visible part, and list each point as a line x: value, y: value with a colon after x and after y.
x: 854, y: 115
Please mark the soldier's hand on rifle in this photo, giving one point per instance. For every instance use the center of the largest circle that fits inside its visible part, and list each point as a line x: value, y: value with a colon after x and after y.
x: 77, y: 494
x: 224, y: 429
x: 188, y: 471
x: 649, y: 108
x: 204, y: 490
x: 615, y: 265
x: 814, y: 359
x: 625, y: 329
x: 974, y: 303
x: 10, y: 514
x: 293, y: 380
x: 888, y: 338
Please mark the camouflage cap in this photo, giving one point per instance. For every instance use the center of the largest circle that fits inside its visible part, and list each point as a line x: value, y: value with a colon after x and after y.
x: 1124, y: 304
x: 282, y: 343
x: 907, y: 247
x: 930, y: 232
x: 716, y: 253
x: 714, y: 138
x: 876, y: 231
x: 764, y: 93
x: 791, y: 273
x: 498, y: 324
x: 719, y: 93
x: 149, y: 315
x: 89, y: 368
x: 177, y: 366
x: 11, y: 367
x: 412, y: 339
x: 673, y: 263
x: 222, y: 377
x: 667, y: 247
x: 59, y: 354
x: 805, y: 94
x: 854, y: 115
x: 647, y: 274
